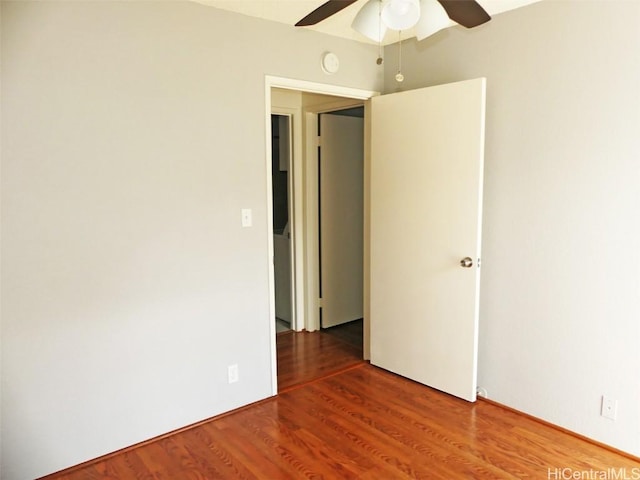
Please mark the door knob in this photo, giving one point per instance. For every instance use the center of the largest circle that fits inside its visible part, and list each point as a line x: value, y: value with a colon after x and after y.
x: 466, y: 262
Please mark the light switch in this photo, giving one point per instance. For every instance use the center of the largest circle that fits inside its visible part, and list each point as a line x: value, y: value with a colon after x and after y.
x: 247, y: 221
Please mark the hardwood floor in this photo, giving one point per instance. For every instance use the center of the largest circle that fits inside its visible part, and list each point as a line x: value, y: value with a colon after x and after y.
x: 304, y: 356
x: 362, y: 423
x: 351, y: 332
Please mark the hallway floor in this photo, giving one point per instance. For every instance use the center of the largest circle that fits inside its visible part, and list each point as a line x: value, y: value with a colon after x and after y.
x: 307, y: 356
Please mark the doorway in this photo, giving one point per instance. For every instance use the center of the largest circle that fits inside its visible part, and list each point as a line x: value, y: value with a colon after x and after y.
x: 445, y: 140
x: 305, y: 108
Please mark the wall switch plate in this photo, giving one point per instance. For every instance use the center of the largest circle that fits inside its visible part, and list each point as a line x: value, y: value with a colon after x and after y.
x: 247, y: 219
x: 609, y: 408
x: 232, y: 372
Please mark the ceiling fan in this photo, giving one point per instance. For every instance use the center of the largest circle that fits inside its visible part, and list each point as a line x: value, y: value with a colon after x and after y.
x: 428, y: 16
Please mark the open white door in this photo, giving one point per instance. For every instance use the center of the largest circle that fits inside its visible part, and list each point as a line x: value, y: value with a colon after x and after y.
x: 341, y: 218
x: 426, y: 207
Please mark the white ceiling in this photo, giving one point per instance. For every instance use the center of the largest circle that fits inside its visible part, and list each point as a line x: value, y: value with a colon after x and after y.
x: 290, y: 11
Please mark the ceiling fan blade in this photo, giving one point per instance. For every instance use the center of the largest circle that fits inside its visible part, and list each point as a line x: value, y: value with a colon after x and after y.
x: 324, y: 11
x: 467, y: 13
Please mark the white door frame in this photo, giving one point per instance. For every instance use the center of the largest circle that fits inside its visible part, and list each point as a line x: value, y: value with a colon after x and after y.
x: 297, y: 216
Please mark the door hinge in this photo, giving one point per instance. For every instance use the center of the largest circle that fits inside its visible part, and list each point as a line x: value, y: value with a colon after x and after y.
x: 320, y: 302
x: 318, y: 141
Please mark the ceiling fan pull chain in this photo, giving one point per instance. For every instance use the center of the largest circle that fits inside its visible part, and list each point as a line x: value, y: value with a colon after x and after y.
x: 399, y: 75
x: 380, y: 59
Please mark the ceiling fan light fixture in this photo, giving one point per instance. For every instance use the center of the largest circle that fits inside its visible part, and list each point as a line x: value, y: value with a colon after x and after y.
x: 433, y: 19
x: 367, y: 21
x: 400, y: 14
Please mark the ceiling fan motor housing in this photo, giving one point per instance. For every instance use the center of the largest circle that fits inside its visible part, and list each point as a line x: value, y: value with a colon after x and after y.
x: 400, y: 14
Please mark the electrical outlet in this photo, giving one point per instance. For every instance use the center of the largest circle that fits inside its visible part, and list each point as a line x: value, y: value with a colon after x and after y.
x: 609, y: 408
x: 232, y: 372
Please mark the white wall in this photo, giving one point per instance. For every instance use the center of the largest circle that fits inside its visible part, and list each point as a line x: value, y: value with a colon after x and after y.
x: 132, y: 136
x: 560, y: 291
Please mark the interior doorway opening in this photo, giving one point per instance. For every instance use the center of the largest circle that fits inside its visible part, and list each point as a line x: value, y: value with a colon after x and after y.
x: 442, y: 218
x: 304, y: 106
